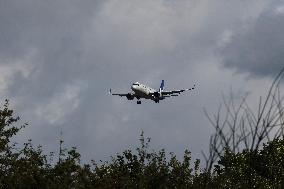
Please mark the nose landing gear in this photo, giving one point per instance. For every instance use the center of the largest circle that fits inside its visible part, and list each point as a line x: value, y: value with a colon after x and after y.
x: 138, y: 102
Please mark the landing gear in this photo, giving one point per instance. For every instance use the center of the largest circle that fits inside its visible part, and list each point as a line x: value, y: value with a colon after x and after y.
x: 157, y: 101
x: 138, y: 102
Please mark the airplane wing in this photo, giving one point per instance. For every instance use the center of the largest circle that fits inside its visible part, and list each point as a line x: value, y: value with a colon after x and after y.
x: 129, y: 96
x: 118, y: 94
x: 176, y: 92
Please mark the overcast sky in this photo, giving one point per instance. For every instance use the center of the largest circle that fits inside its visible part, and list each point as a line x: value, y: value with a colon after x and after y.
x: 58, y: 60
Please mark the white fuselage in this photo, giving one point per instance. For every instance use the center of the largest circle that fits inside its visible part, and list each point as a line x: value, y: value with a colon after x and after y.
x: 143, y: 91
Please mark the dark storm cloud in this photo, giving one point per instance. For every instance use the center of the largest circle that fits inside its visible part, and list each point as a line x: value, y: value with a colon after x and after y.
x: 258, y: 48
x: 52, y: 31
x: 45, y: 24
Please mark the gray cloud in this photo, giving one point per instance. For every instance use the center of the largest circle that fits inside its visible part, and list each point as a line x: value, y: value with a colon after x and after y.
x: 258, y: 47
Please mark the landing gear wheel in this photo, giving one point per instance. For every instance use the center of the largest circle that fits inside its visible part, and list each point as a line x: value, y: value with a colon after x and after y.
x: 138, y: 102
x: 157, y: 101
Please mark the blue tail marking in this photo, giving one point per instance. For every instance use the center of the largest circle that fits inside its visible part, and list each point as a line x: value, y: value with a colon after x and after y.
x: 162, y: 85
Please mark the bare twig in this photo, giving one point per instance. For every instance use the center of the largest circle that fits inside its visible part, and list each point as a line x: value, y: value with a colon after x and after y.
x: 242, y: 128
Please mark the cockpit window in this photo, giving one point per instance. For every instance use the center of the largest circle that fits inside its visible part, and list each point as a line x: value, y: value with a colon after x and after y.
x: 136, y: 84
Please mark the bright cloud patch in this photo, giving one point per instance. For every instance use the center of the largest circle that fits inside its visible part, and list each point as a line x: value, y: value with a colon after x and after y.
x: 279, y: 10
x: 11, y: 68
x: 60, y: 104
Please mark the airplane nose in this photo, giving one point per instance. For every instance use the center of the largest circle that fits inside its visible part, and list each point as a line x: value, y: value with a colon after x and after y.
x: 133, y: 87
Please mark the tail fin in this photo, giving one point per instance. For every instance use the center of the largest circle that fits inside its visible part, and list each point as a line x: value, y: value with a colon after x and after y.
x: 162, y: 85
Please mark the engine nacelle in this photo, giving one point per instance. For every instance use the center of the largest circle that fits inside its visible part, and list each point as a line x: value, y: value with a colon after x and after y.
x: 157, y: 94
x: 129, y: 96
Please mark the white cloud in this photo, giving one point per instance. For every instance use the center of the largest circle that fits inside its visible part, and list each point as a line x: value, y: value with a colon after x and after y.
x: 149, y: 25
x: 279, y: 10
x: 11, y: 68
x: 225, y: 38
x: 61, y: 104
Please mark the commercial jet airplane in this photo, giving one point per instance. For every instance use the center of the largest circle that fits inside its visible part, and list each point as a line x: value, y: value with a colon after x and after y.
x: 143, y: 91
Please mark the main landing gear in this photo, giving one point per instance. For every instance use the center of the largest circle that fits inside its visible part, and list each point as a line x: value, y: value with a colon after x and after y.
x: 157, y: 101
x: 138, y: 102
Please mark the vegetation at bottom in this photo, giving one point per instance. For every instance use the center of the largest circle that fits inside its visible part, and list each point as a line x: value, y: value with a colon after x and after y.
x: 29, y: 167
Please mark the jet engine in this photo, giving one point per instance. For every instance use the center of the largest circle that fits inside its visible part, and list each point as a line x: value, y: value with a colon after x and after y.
x: 130, y: 96
x: 157, y: 94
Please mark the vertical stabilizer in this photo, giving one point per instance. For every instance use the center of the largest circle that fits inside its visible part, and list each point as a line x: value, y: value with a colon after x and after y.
x: 162, y: 86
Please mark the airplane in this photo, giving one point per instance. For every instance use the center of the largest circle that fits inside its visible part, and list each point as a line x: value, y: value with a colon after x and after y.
x: 142, y: 91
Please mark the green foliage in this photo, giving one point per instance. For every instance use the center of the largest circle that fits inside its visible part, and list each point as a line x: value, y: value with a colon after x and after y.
x: 253, y: 169
x: 28, y: 167
x: 145, y: 169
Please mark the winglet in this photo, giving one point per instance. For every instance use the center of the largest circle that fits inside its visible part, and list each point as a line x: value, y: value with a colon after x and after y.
x: 190, y: 88
x: 110, y: 91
